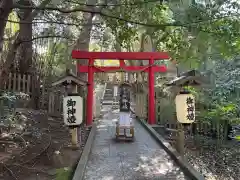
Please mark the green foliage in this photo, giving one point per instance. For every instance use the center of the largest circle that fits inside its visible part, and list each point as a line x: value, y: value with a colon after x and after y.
x: 9, y: 97
x: 150, y: 13
x: 10, y: 31
x: 227, y: 82
x: 197, y: 32
x: 12, y: 28
x: 222, y: 112
x: 54, y: 57
x: 63, y: 174
x: 8, y: 103
x: 222, y: 99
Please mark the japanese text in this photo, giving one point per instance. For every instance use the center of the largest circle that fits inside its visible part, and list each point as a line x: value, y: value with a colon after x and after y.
x: 71, y: 111
x: 190, y: 109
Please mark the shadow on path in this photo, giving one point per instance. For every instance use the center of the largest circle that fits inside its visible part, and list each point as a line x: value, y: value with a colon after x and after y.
x: 142, y: 159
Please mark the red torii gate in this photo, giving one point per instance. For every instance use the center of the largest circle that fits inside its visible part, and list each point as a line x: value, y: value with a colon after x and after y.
x: 121, y: 56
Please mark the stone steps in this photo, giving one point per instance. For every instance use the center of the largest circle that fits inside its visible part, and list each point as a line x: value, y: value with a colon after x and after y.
x: 108, y: 98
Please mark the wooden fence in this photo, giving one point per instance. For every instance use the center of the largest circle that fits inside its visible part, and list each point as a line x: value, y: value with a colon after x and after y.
x: 28, y: 84
x: 18, y: 83
x: 49, y: 98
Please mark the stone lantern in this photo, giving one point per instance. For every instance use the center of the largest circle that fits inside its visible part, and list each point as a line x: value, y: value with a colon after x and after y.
x: 71, y: 84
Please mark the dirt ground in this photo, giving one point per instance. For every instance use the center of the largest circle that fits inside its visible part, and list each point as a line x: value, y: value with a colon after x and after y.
x: 47, y: 148
x: 215, y: 162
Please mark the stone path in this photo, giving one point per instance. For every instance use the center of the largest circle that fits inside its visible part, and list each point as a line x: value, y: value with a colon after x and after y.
x: 142, y: 159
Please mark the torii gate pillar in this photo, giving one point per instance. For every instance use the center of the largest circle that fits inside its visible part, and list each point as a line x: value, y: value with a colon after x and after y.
x: 151, y: 94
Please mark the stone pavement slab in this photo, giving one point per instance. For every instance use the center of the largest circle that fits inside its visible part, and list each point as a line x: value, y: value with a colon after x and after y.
x: 142, y: 159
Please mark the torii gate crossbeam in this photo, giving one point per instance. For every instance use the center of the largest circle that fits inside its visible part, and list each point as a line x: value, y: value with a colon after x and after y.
x: 150, y: 68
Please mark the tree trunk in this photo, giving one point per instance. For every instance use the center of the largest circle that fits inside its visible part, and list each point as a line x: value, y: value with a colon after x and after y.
x: 27, y: 15
x: 85, y: 36
x: 83, y: 41
x: 5, y: 10
x: 25, y: 54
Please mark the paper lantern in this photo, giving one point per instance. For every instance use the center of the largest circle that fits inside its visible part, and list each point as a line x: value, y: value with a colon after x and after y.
x: 185, y: 107
x: 73, y: 110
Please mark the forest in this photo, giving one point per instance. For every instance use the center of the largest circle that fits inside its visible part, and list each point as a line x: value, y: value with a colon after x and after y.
x: 38, y: 36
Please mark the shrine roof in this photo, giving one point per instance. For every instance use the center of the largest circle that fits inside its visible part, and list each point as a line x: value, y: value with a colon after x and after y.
x: 192, y: 78
x: 69, y: 76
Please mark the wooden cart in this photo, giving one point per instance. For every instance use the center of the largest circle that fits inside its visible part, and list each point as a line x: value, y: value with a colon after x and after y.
x: 124, y: 125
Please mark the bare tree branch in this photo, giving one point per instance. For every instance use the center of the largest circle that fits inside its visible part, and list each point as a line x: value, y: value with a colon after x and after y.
x: 51, y: 22
x: 87, y: 10
x: 120, y: 4
x: 38, y: 37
